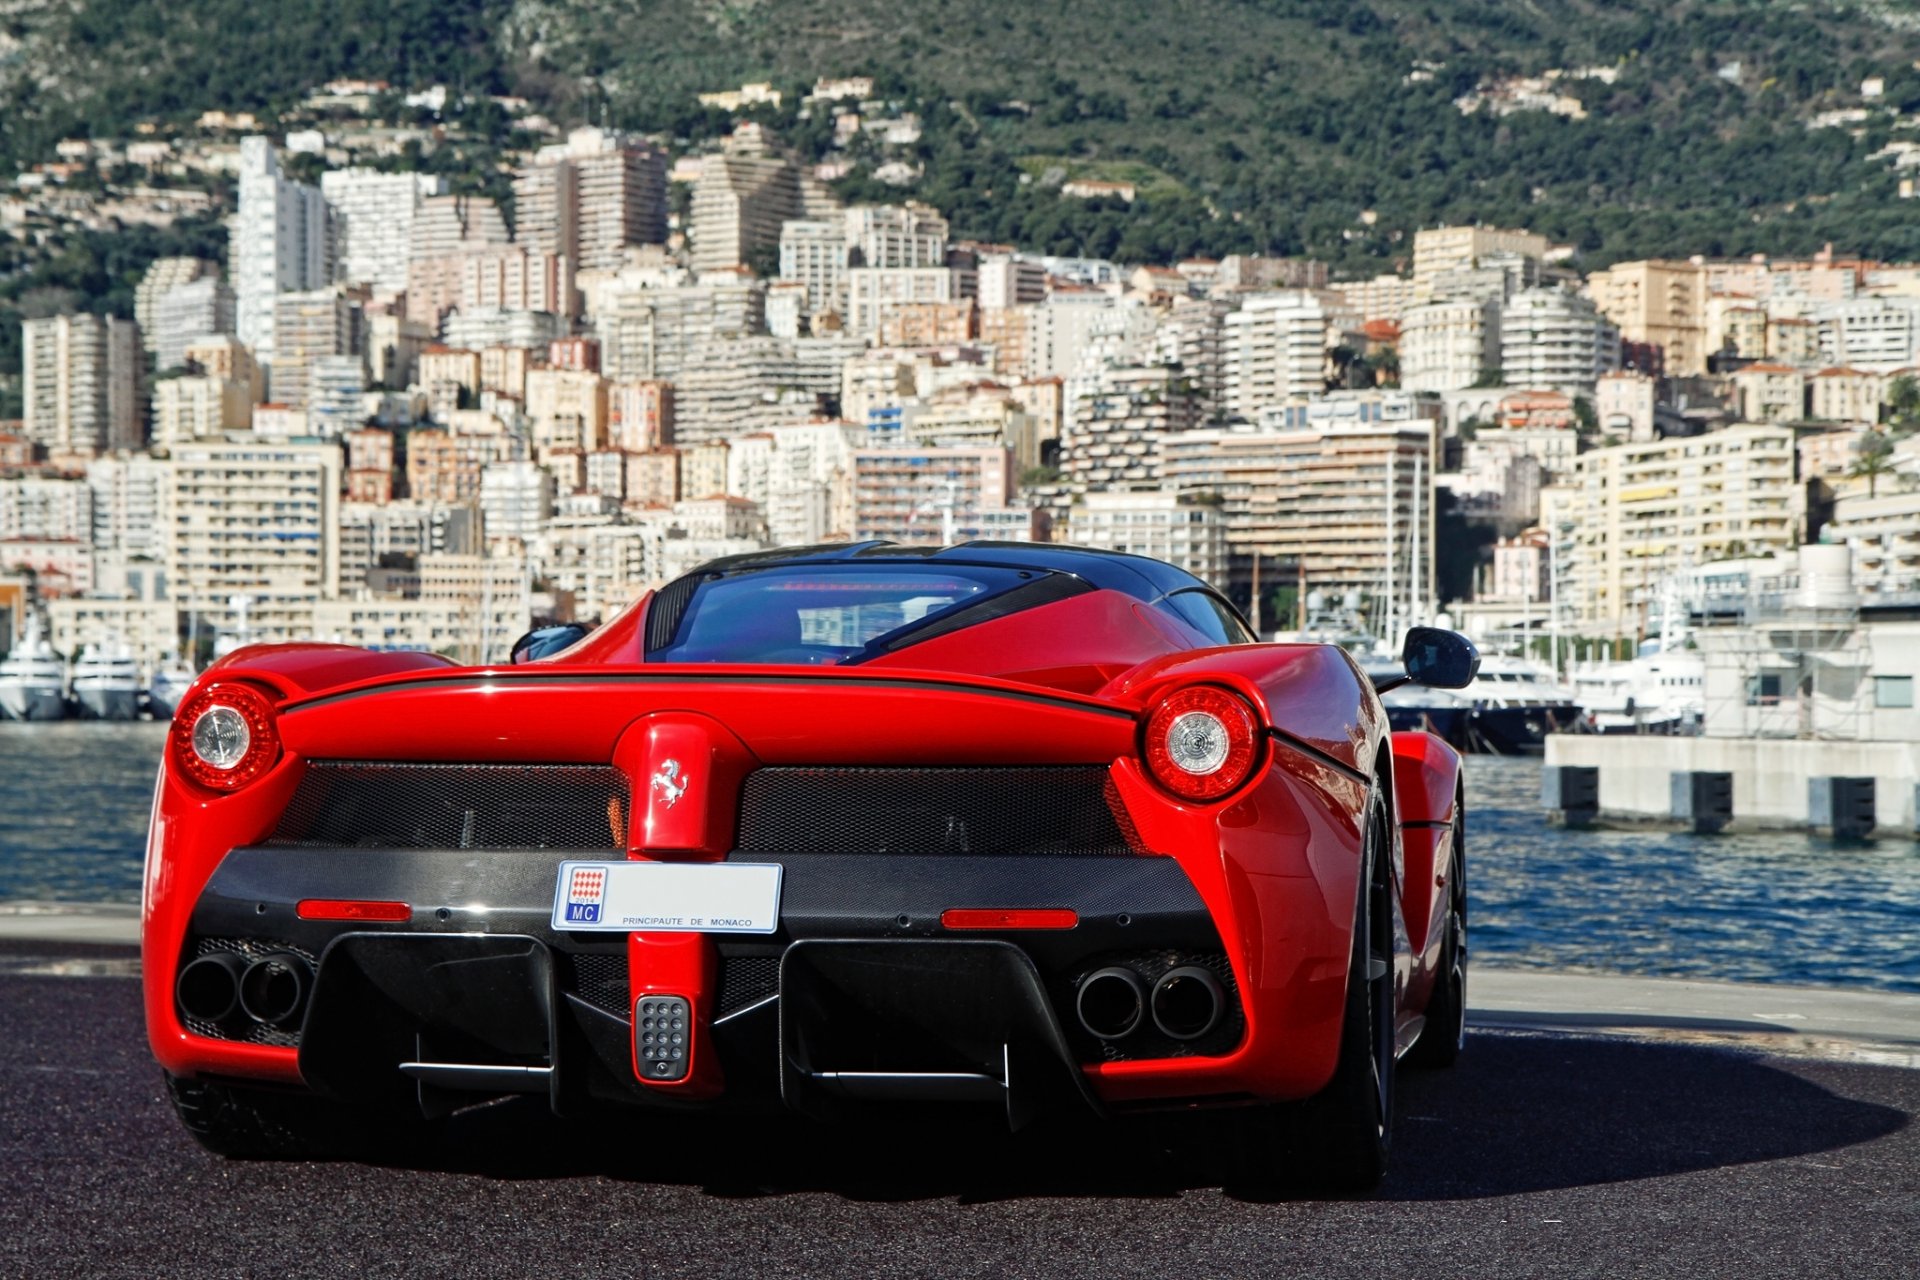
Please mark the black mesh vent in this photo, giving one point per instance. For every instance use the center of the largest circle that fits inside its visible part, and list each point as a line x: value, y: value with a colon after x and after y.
x: 1147, y: 1041
x: 747, y: 980
x: 242, y: 1028
x: 601, y: 980
x: 1038, y: 809
x: 359, y: 804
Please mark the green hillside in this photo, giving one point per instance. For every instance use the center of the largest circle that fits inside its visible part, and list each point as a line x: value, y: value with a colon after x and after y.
x: 1264, y: 125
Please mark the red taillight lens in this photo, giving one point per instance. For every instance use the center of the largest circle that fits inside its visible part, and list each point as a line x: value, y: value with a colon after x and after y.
x: 224, y: 736
x: 352, y: 909
x: 1009, y: 918
x: 1202, y: 743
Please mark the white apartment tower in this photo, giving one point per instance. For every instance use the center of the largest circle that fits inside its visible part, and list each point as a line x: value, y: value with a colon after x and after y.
x: 1449, y: 346
x: 81, y: 376
x: 1554, y: 340
x: 165, y: 275
x: 282, y: 241
x: 1275, y: 350
x: 183, y: 316
x: 374, y: 214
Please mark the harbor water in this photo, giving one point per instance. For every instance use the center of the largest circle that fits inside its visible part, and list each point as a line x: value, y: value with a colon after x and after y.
x: 1779, y: 907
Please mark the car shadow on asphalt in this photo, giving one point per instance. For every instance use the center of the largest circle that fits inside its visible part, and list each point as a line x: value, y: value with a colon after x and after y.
x: 1522, y: 1112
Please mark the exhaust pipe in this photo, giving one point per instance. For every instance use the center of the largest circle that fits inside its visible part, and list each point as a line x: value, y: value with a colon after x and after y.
x: 274, y: 989
x: 1187, y: 1003
x: 209, y: 988
x: 1111, y: 1002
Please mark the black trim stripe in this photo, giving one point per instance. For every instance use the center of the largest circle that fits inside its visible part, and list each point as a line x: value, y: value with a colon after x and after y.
x: 571, y: 679
x: 1314, y: 753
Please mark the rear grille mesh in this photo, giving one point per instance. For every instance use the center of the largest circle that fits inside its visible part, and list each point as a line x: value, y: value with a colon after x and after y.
x: 364, y: 804
x: 1052, y: 809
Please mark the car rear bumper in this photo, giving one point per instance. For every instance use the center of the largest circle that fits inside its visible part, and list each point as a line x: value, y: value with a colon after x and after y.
x: 862, y: 995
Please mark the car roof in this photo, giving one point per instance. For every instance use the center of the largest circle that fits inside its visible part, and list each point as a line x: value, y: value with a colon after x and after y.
x: 1142, y: 577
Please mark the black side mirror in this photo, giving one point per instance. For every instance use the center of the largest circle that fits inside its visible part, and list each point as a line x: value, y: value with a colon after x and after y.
x: 1440, y: 659
x: 544, y: 642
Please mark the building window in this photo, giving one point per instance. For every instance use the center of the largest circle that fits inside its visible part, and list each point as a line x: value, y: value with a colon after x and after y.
x: 1893, y: 691
x: 1763, y: 690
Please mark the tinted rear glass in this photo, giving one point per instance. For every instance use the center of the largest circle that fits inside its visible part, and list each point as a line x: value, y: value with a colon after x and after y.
x: 817, y: 614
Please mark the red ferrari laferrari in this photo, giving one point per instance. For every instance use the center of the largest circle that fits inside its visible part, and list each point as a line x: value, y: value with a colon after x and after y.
x: 851, y: 826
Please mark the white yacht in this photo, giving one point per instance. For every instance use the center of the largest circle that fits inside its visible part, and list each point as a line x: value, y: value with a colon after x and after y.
x: 33, y: 679
x: 169, y: 684
x: 1515, y: 703
x: 1658, y: 691
x: 106, y: 684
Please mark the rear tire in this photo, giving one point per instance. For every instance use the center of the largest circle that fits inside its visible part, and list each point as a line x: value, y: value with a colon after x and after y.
x: 260, y: 1124
x: 1339, y: 1139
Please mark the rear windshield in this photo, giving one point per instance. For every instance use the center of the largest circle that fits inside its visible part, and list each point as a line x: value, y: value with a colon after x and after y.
x: 814, y: 614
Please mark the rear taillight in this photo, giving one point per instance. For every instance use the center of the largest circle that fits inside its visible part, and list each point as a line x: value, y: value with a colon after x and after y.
x: 1202, y: 743
x: 224, y: 736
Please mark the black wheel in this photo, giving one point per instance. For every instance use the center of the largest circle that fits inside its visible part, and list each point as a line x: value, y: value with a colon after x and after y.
x: 1338, y: 1140
x: 1445, y: 1035
x: 260, y: 1124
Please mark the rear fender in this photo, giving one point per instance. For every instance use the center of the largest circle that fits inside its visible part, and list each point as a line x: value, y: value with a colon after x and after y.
x: 1426, y: 781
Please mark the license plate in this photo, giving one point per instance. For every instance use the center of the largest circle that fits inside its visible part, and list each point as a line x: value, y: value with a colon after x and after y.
x: 668, y: 897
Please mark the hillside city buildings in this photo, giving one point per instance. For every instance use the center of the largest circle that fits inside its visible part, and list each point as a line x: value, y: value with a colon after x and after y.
x: 406, y: 417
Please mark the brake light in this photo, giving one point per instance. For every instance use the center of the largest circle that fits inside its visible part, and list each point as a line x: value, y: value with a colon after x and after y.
x: 1201, y: 743
x: 224, y: 736
x: 1009, y: 918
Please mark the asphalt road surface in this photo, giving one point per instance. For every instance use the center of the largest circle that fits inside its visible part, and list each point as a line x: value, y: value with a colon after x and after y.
x: 1539, y: 1156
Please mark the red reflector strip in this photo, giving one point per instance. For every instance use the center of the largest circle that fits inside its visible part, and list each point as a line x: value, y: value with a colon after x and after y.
x: 1014, y: 918
x: 352, y: 909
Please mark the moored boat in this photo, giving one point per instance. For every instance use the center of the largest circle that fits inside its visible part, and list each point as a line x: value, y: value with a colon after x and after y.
x: 32, y: 678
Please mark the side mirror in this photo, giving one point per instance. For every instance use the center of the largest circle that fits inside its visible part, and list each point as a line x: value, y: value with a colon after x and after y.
x: 1440, y: 659
x: 544, y: 642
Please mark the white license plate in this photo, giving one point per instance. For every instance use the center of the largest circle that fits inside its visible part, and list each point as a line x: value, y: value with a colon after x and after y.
x: 668, y: 897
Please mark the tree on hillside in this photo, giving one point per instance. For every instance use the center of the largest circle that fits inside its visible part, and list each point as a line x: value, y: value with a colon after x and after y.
x: 1903, y: 403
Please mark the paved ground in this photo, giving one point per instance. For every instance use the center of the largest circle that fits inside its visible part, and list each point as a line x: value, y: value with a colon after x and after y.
x: 1544, y: 1154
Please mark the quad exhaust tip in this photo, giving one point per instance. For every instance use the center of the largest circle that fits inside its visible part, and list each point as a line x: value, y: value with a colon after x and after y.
x: 209, y: 988
x: 274, y: 989
x: 1112, y: 1002
x: 1187, y: 1003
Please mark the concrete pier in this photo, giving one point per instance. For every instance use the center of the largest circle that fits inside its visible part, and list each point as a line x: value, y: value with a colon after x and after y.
x: 1773, y: 781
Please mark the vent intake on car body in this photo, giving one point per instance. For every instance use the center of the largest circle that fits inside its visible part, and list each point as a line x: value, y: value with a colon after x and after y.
x: 1056, y: 809
x: 363, y: 804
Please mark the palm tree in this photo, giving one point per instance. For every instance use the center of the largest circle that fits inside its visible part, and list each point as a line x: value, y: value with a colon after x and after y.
x: 1873, y: 458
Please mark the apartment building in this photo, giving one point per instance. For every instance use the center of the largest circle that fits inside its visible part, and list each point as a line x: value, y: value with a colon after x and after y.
x: 1120, y: 419
x: 1274, y: 348
x: 743, y: 196
x: 1336, y: 500
x: 918, y: 495
x: 1639, y: 511
x: 282, y: 242
x: 81, y: 383
x: 184, y: 315
x: 1461, y: 248
x: 306, y: 328
x: 1449, y: 346
x: 195, y: 406
x: 1878, y: 334
x: 1659, y: 304
x: 640, y: 415
x: 444, y: 465
x: 568, y: 410
x: 373, y: 215
x: 1555, y: 340
x: 257, y: 520
x: 162, y: 277
x: 445, y: 229
x: 590, y: 198
x: 1165, y: 526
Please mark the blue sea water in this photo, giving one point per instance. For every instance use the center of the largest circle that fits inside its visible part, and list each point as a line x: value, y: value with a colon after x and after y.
x: 1775, y: 907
